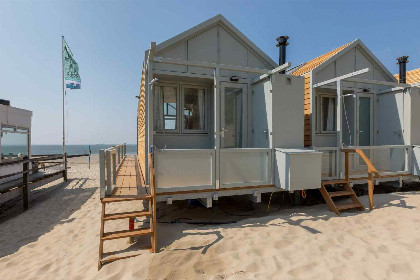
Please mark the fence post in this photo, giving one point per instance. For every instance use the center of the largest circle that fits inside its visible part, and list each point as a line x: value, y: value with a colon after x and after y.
x: 102, y: 173
x: 65, y: 168
x: 108, y: 173
x: 25, y: 189
x: 114, y: 168
x: 119, y: 154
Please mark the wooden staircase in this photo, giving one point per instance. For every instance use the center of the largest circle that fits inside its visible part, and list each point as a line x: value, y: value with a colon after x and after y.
x: 346, y: 191
x: 130, y: 233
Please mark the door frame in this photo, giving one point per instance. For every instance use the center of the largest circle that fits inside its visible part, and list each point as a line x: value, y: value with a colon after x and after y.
x: 244, y: 88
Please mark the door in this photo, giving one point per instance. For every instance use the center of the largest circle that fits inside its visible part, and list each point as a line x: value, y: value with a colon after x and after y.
x: 233, y: 115
x: 364, y: 125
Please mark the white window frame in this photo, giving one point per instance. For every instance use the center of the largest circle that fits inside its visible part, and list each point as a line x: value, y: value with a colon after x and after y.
x: 206, y: 110
x: 177, y: 129
x: 321, y: 117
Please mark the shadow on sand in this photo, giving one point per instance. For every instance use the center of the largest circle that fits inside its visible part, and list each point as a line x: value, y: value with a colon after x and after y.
x: 48, y: 207
x: 241, y: 214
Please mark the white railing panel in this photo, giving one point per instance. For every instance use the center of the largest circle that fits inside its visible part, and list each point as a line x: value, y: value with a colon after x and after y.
x: 178, y: 169
x: 245, y: 167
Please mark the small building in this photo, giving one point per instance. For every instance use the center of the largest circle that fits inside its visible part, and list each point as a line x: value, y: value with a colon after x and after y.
x: 351, y: 99
x: 221, y: 117
x: 15, y: 137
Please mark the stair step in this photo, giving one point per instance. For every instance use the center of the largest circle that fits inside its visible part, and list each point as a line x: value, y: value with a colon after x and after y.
x: 126, y: 233
x: 333, y: 182
x: 127, y: 198
x: 348, y: 206
x: 124, y: 215
x: 341, y: 193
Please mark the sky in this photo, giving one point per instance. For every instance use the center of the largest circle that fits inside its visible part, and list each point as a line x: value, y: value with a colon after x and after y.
x: 108, y: 40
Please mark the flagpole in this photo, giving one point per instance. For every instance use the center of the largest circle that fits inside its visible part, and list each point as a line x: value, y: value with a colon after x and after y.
x: 62, y: 67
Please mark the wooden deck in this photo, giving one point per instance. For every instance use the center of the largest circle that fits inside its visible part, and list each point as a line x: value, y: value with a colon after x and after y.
x: 128, y: 180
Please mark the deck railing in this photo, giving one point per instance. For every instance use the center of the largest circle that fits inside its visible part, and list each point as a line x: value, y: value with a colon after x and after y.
x: 19, y: 183
x: 109, y: 163
x: 388, y: 159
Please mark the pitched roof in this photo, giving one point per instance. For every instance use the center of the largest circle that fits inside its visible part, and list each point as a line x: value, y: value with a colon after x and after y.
x: 413, y: 76
x: 207, y: 24
x: 314, y: 63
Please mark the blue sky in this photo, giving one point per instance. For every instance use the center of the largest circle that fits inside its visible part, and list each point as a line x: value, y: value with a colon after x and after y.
x: 108, y: 40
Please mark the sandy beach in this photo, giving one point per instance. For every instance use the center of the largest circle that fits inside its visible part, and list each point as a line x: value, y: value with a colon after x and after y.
x: 58, y: 238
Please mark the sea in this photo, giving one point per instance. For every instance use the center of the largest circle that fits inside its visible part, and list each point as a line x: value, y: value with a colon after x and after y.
x: 58, y: 149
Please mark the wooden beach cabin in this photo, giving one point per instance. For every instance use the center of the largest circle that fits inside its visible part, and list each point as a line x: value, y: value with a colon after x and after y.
x: 221, y: 118
x: 353, y: 102
x: 218, y: 117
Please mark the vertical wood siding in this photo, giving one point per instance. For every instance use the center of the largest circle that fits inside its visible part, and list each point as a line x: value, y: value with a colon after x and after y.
x: 141, y: 126
x: 307, y: 111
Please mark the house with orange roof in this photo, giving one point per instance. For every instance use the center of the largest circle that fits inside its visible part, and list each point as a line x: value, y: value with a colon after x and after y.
x: 352, y: 100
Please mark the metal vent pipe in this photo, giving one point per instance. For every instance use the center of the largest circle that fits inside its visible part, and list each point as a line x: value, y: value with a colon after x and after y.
x: 402, y: 61
x: 282, y: 43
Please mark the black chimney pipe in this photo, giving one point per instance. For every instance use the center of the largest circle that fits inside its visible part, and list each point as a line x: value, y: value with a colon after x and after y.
x: 282, y: 43
x: 402, y: 61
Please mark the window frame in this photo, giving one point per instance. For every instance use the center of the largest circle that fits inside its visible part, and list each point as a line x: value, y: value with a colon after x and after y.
x: 205, y: 113
x: 321, y: 117
x: 177, y: 129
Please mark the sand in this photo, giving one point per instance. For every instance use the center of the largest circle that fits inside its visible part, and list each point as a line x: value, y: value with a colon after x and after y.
x: 58, y: 239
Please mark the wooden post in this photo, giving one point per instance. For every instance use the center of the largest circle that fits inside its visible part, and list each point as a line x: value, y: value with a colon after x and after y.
x: 25, y: 189
x: 114, y: 168
x: 347, y: 166
x: 370, y: 189
x: 65, y: 168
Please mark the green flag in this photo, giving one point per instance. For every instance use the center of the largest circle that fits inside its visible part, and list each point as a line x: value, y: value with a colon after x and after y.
x: 71, y: 69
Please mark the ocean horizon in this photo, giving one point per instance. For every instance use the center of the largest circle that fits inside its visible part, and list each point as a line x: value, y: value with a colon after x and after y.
x: 70, y: 149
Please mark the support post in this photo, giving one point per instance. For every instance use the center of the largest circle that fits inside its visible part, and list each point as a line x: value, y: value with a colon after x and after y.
x: 370, y: 189
x: 153, y: 195
x: 339, y: 130
x: 25, y: 189
x: 102, y: 173
x: 347, y: 167
x: 108, y: 173
x: 114, y: 168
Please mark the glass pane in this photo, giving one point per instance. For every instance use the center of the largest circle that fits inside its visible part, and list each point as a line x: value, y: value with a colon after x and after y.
x: 233, y: 118
x: 328, y: 114
x: 348, y: 120
x: 194, y: 107
x: 364, y: 121
x: 14, y: 145
x: 165, y: 107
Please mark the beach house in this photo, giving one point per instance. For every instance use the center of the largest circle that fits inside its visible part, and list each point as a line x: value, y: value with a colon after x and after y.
x: 218, y: 117
x: 15, y: 138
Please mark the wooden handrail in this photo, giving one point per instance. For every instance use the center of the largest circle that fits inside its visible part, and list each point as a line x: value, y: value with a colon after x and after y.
x: 371, y: 171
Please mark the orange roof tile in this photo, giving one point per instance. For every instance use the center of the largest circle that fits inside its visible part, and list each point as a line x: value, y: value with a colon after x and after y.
x: 314, y: 63
x: 413, y: 76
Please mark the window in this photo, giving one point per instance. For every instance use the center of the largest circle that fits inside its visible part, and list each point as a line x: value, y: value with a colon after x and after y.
x: 179, y: 111
x: 14, y: 143
x: 328, y: 114
x: 194, y: 109
x: 165, y: 107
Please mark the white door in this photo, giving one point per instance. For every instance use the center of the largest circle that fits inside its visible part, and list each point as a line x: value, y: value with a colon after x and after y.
x: 261, y: 117
x: 233, y: 115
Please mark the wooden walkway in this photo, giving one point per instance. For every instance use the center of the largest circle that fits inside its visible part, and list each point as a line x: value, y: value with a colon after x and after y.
x: 128, y: 182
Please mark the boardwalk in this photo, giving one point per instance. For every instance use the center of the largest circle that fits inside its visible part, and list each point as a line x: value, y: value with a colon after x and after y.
x: 127, y: 182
